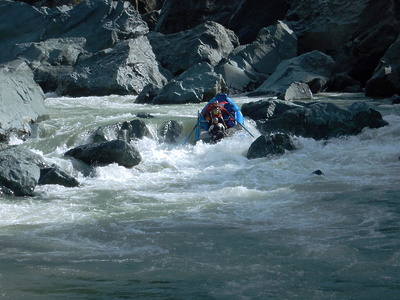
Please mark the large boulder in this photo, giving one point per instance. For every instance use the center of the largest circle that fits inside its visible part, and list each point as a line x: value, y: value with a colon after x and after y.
x: 116, y: 151
x: 274, y: 144
x: 21, y: 100
x: 208, y: 42
x: 124, y: 69
x: 266, y: 108
x: 250, y: 65
x: 314, y: 68
x: 198, y: 84
x: 50, y: 60
x: 319, y: 120
x: 19, y: 170
x: 355, y: 34
x: 102, y: 23
x: 386, y: 80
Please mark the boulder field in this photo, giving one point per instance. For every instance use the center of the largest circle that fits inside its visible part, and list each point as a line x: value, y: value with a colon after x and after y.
x: 186, y: 51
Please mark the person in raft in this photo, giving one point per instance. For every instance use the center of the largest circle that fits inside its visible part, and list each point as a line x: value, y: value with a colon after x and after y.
x: 215, y: 110
x: 216, y: 130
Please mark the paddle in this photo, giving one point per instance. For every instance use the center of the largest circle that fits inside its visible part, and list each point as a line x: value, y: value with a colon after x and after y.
x: 241, y: 125
x: 195, y: 126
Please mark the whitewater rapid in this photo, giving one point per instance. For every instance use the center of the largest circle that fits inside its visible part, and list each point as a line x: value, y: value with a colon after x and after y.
x: 202, y: 221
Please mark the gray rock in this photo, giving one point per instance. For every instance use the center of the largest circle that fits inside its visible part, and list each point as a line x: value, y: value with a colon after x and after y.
x: 274, y: 144
x: 124, y: 69
x: 170, y: 131
x: 148, y: 93
x: 272, y: 45
x: 116, y: 151
x: 298, y: 91
x: 19, y: 170
x: 267, y: 108
x: 126, y: 131
x: 54, y: 175
x: 50, y: 60
x: 102, y: 23
x: 248, y: 66
x: 323, y: 120
x: 208, y: 42
x: 21, y: 100
x: 198, y: 84
x: 305, y: 68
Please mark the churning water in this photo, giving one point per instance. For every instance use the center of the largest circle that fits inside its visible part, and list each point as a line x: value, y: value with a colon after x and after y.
x: 204, y: 222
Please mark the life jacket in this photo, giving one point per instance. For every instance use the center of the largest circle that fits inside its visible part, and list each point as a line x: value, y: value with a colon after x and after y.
x: 216, y: 113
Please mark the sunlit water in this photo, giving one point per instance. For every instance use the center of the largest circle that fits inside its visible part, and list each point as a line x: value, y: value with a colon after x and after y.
x: 204, y: 222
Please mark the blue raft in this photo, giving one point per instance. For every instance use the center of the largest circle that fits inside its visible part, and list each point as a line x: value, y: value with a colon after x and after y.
x: 234, y: 118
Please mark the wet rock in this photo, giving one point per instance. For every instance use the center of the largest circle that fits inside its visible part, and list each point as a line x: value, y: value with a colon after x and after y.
x: 144, y: 115
x: 323, y: 120
x: 264, y: 109
x: 318, y: 172
x: 170, y: 131
x: 126, y: 131
x: 19, y: 170
x: 270, y: 145
x: 116, y: 151
x: 305, y: 68
x: 54, y: 175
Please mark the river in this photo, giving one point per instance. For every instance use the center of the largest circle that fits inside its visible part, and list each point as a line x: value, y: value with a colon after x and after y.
x: 204, y: 222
